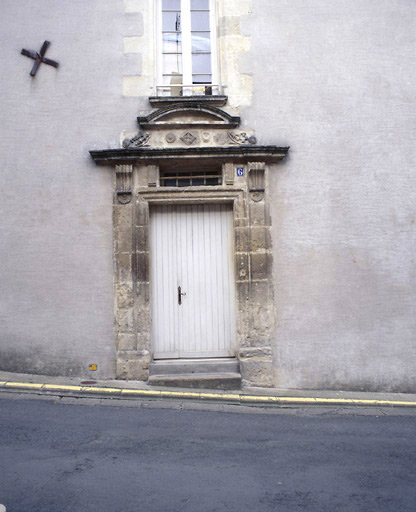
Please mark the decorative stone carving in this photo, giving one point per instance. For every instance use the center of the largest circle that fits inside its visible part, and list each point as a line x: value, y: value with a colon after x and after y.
x: 206, y: 136
x: 188, y: 138
x: 123, y: 183
x: 242, y: 138
x: 256, y: 195
x: 137, y: 141
x: 256, y: 180
x: 170, y: 137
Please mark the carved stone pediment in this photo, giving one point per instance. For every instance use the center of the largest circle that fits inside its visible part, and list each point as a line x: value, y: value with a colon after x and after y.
x: 187, y: 124
x: 186, y: 130
x: 188, y: 114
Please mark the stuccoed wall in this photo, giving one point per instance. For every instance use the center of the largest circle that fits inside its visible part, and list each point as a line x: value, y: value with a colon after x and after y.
x: 335, y: 80
x: 56, y: 299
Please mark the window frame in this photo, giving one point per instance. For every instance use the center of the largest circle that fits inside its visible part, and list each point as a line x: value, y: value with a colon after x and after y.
x: 186, y: 86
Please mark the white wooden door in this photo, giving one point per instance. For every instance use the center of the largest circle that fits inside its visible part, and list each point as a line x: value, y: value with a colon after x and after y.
x: 192, y: 255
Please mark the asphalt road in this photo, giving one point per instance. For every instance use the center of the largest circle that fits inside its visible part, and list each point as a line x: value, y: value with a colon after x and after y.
x: 57, y: 455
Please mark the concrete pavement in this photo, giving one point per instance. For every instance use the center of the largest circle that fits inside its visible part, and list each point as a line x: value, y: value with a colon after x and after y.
x: 62, y: 386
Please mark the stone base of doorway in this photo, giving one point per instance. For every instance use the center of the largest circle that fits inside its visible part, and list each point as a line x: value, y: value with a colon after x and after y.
x: 191, y: 373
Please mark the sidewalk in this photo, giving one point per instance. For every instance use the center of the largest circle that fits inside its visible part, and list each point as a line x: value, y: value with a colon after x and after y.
x: 77, y: 387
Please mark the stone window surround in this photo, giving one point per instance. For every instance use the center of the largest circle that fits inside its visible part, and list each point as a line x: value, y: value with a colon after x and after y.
x: 252, y: 261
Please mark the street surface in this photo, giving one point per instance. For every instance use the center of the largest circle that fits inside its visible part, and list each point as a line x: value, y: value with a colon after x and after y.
x: 123, y: 456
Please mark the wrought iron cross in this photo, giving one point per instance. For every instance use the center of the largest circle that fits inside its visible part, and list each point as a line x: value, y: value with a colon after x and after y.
x: 39, y: 57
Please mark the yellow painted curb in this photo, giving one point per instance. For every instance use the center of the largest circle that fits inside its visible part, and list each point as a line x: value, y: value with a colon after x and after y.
x: 215, y: 396
x: 101, y: 390
x: 258, y: 398
x: 140, y: 392
x: 323, y: 401
x: 59, y: 387
x: 29, y: 385
x: 242, y: 399
x: 383, y: 402
x: 179, y: 394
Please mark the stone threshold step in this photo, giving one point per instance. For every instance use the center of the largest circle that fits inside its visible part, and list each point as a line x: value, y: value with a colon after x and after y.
x: 183, y: 367
x: 230, y: 380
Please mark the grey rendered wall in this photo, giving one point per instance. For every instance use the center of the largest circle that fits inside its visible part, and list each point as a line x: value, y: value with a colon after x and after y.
x: 336, y: 81
x: 56, y: 302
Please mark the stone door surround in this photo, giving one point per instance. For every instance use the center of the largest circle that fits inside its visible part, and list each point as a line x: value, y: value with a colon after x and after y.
x: 191, y: 136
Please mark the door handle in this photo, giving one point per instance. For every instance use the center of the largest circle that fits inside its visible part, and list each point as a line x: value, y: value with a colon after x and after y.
x: 180, y: 295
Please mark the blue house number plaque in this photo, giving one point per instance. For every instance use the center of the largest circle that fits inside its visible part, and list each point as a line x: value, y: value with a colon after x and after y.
x: 240, y: 171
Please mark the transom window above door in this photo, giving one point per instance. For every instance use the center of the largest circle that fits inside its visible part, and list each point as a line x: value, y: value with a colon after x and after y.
x: 185, y: 178
x: 187, y: 48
